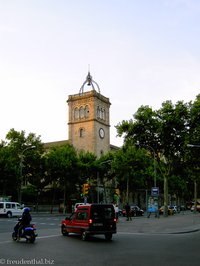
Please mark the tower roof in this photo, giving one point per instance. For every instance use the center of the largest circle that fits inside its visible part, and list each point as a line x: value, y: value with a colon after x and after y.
x: 90, y: 82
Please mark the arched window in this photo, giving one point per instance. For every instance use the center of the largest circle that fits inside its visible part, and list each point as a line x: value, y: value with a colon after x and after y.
x: 76, y: 113
x: 81, y: 132
x: 86, y: 111
x: 81, y: 112
x: 103, y: 114
x: 98, y: 112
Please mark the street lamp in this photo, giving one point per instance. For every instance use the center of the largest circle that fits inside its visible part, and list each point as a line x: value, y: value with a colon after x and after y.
x: 195, y: 182
x: 193, y: 146
x: 154, y: 159
x: 98, y: 181
x: 155, y: 188
x: 21, y: 156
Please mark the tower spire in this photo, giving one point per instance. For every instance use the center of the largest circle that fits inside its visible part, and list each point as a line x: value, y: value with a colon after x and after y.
x: 90, y: 82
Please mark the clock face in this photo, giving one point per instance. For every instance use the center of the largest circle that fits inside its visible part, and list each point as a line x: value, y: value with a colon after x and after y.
x: 101, y: 133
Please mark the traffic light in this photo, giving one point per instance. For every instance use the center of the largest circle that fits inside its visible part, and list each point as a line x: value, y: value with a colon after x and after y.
x: 85, y: 188
x: 117, y: 191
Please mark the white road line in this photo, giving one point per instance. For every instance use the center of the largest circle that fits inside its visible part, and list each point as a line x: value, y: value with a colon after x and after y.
x: 4, y: 242
x: 40, y: 237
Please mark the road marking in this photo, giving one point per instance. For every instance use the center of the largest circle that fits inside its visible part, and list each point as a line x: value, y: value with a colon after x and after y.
x: 40, y: 237
x: 4, y: 242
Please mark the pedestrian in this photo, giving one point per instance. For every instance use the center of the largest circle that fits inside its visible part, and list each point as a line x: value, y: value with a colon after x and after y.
x: 128, y: 212
x: 116, y: 211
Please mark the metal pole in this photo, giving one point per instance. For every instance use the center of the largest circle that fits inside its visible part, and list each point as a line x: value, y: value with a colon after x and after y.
x: 98, y: 187
x: 154, y: 160
x: 193, y: 146
x: 195, y: 196
x: 98, y: 183
x: 195, y: 182
x: 21, y: 156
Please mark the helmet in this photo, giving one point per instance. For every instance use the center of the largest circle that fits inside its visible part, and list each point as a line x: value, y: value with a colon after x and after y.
x: 26, y: 209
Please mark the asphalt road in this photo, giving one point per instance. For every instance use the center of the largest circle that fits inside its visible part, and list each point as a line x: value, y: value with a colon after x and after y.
x: 51, y: 248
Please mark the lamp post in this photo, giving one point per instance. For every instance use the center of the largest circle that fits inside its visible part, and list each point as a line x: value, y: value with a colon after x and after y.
x: 155, y: 190
x: 21, y: 156
x: 98, y: 182
x: 195, y: 182
x: 154, y: 162
x: 154, y: 159
x: 193, y: 146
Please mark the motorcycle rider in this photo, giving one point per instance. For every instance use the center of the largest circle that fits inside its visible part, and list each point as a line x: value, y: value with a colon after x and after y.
x: 24, y: 221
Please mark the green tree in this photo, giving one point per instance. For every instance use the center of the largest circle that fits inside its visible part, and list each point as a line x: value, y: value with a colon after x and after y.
x: 105, y: 177
x: 62, y: 170
x: 192, y: 159
x: 8, y: 171
x: 87, y: 173
x: 133, y: 169
x: 162, y: 132
x: 25, y: 152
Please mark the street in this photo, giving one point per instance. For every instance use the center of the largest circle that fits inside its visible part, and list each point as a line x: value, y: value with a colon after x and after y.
x: 126, y: 248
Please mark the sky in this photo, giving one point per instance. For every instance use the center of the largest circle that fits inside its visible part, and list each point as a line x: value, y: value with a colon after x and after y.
x: 140, y: 52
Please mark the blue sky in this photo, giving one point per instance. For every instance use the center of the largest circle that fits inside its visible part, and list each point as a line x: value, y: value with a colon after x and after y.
x: 140, y: 52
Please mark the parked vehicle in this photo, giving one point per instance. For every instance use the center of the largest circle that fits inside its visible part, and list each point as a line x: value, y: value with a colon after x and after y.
x: 170, y: 210
x: 28, y: 233
x: 174, y: 208
x: 91, y: 219
x: 120, y: 212
x: 181, y: 208
x: 10, y: 209
x: 135, y: 211
x: 198, y: 208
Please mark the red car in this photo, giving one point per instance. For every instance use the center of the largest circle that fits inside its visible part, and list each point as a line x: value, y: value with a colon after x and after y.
x: 91, y: 219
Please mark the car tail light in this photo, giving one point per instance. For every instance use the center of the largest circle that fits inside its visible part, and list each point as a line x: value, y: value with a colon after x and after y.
x: 90, y: 221
x: 115, y: 220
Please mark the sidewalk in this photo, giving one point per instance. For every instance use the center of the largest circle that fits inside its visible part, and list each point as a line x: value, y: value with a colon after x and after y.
x: 176, y: 224
x: 184, y: 222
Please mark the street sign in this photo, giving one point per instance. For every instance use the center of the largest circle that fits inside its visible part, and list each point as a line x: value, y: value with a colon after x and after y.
x: 155, y: 191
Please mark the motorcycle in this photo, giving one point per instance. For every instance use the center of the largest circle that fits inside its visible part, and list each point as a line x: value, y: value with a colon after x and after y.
x: 28, y: 233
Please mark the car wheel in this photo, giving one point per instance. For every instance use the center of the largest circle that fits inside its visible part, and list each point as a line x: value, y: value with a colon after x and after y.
x: 108, y: 236
x: 9, y: 214
x: 84, y: 236
x: 64, y: 231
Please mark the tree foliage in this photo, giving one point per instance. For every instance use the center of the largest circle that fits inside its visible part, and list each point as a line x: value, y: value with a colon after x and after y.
x: 165, y: 133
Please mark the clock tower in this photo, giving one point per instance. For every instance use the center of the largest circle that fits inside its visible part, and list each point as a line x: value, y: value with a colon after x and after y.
x: 89, y: 119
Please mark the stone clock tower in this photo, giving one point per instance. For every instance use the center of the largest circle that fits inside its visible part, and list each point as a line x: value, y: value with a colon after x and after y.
x: 89, y: 119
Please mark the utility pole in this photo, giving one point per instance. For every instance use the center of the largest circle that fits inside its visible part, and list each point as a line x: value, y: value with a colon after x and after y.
x: 195, y: 181
x: 21, y: 156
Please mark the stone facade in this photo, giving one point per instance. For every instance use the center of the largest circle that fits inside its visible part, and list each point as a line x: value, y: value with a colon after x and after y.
x: 89, y: 122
